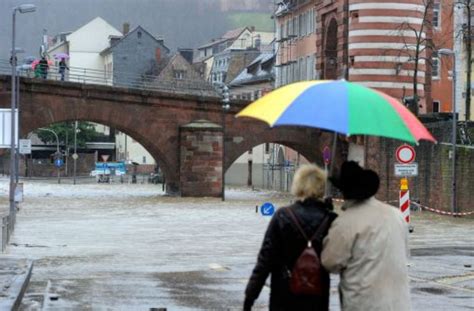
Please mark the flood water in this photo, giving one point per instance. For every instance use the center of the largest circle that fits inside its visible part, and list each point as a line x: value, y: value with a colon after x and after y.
x: 130, y: 247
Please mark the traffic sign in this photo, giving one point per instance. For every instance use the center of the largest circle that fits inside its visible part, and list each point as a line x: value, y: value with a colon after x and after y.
x: 406, y: 170
x: 58, y: 162
x: 267, y: 209
x: 25, y: 146
x: 327, y: 155
x: 405, y: 154
x: 75, y: 156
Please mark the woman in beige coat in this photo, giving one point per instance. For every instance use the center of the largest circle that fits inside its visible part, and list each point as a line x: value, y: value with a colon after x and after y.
x: 367, y: 246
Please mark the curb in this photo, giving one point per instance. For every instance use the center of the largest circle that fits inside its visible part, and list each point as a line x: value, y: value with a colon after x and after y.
x: 12, y: 293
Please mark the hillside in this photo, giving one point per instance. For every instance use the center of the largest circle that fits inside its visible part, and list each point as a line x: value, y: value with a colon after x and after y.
x: 246, y: 5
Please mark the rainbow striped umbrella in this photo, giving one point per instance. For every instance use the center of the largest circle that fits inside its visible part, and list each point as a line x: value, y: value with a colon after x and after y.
x: 339, y: 106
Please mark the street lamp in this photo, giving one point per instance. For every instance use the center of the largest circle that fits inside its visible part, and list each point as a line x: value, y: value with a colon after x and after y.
x: 17, y: 108
x: 449, y: 52
x: 225, y: 107
x: 23, y: 8
x: 74, y: 156
x: 57, y: 149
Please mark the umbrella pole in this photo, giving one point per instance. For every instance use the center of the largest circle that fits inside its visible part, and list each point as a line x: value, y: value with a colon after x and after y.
x: 331, y: 167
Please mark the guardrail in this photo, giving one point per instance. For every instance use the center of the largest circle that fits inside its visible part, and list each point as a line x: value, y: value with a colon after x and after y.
x: 117, y: 79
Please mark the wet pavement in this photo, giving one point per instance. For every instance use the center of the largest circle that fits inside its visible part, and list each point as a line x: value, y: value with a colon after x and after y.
x: 129, y: 247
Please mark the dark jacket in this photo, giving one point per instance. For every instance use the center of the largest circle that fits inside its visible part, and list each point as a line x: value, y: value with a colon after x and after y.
x: 282, y: 245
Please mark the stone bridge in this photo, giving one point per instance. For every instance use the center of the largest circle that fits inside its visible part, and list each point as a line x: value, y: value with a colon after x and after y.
x: 182, y: 132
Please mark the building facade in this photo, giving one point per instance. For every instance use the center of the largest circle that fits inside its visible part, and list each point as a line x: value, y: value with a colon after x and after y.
x: 84, y: 46
x: 130, y: 57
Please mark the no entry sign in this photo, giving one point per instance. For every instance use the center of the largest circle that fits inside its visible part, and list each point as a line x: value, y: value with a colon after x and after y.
x: 405, y: 154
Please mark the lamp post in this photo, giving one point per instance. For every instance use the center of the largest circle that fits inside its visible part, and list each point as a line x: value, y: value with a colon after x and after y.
x: 449, y: 52
x: 74, y: 156
x: 225, y: 107
x: 24, y: 8
x: 17, y: 107
x: 57, y: 149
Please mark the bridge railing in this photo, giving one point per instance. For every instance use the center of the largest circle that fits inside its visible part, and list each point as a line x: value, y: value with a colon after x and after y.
x: 118, y: 79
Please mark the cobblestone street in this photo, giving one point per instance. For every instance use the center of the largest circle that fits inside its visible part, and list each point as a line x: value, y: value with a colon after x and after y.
x: 129, y: 247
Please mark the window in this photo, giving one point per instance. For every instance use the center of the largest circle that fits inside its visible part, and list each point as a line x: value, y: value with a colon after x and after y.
x: 436, y: 105
x: 139, y: 34
x: 295, y: 27
x: 308, y: 22
x: 435, y: 67
x: 267, y: 148
x: 308, y: 68
x: 436, y: 15
x: 144, y: 159
x: 300, y: 25
x: 179, y: 74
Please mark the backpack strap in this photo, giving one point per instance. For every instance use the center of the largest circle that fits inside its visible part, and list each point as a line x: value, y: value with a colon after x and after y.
x: 318, y: 234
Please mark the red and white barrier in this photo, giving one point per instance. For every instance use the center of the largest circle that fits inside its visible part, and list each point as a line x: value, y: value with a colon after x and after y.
x: 404, y: 204
x: 437, y: 211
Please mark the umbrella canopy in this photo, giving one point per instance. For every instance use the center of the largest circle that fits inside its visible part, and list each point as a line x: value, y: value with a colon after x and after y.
x: 339, y: 106
x: 36, y: 62
x: 61, y: 56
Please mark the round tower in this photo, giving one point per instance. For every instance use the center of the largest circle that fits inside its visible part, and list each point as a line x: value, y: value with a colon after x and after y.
x: 382, y: 37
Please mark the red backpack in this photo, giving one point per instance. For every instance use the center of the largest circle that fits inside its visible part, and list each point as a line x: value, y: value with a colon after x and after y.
x: 305, y: 277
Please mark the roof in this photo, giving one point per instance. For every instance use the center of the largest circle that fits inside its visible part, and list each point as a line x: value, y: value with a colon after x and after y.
x: 160, y: 41
x: 229, y: 35
x: 212, y: 43
x: 97, y: 19
x: 245, y: 77
x: 234, y: 33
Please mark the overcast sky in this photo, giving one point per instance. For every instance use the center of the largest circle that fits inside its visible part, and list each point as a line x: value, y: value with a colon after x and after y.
x: 182, y: 23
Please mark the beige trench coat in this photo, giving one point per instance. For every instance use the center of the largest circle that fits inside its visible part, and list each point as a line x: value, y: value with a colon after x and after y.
x: 367, y: 245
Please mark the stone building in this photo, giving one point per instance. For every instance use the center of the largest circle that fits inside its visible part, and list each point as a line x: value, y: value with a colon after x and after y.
x: 128, y: 58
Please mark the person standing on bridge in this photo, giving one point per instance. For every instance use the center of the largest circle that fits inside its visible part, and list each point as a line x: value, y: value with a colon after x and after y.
x: 43, y: 66
x: 283, y: 244
x: 62, y: 68
x: 367, y: 246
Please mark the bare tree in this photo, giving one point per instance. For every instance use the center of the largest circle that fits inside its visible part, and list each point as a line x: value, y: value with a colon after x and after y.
x: 467, y: 6
x: 420, y: 48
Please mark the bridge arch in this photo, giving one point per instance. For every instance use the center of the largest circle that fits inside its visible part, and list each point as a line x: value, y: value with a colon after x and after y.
x: 155, y: 119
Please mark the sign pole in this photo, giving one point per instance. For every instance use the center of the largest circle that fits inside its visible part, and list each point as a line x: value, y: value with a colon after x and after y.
x: 327, y: 160
x: 326, y: 187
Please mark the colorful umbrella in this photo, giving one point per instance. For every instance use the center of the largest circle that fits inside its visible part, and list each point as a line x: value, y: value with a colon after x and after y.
x: 339, y: 106
x: 61, y: 56
x: 36, y: 62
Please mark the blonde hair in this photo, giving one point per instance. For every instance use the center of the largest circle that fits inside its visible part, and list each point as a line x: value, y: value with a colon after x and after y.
x: 309, y: 182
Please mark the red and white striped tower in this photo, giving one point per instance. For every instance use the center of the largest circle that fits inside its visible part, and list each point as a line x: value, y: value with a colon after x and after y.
x: 380, y: 44
x: 405, y: 199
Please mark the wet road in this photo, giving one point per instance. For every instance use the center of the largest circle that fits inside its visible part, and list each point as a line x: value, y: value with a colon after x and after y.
x: 128, y: 247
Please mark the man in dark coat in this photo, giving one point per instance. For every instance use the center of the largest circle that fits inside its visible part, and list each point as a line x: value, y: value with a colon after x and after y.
x: 43, y: 65
x: 283, y: 244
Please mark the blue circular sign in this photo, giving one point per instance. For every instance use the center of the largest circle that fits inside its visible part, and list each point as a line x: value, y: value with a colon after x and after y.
x: 267, y: 209
x: 58, y: 162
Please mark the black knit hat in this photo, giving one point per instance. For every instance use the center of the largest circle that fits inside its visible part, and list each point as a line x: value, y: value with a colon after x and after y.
x: 355, y: 182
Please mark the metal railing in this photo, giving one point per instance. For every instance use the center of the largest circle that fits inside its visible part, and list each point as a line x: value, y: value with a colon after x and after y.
x: 117, y: 79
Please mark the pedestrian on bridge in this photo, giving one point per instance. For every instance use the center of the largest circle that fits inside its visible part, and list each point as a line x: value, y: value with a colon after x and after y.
x: 43, y: 66
x: 62, y: 68
x: 367, y: 246
x: 284, y: 243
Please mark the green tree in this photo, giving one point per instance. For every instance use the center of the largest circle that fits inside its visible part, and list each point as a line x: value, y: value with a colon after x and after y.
x: 65, y: 131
